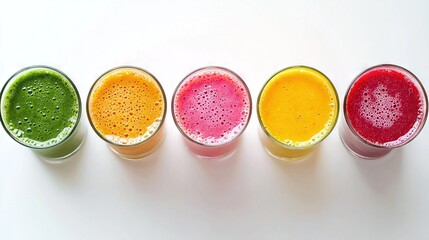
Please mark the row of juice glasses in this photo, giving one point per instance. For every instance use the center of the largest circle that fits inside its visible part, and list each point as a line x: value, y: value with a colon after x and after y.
x: 385, y: 107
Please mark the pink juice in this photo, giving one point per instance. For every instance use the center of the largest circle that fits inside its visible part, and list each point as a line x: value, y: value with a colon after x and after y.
x: 211, y: 108
x: 385, y: 108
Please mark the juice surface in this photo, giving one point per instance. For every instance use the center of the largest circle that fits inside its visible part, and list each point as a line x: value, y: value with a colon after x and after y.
x: 40, y: 107
x: 298, y: 106
x: 384, y: 106
x: 126, y: 106
x: 212, y: 106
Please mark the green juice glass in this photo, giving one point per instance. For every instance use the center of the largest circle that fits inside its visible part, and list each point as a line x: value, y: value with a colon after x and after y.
x: 41, y: 109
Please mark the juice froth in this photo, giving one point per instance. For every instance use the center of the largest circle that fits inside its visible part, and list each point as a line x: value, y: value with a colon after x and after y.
x: 384, y: 106
x: 212, y: 106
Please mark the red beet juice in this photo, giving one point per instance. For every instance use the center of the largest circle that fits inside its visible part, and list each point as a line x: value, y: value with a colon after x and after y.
x: 385, y: 107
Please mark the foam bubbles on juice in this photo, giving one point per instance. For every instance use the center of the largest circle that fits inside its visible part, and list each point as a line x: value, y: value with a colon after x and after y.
x: 379, y: 107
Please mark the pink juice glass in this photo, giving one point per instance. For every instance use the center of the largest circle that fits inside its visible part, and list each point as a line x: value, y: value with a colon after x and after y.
x: 211, y: 107
x: 385, y: 107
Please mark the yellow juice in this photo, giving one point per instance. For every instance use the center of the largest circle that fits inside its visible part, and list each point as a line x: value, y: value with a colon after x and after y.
x: 297, y: 108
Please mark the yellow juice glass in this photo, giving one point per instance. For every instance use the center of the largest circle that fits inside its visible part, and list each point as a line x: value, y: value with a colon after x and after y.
x: 126, y: 108
x: 297, y: 108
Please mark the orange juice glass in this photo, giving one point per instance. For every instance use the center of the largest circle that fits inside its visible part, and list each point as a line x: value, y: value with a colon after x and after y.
x: 297, y: 108
x: 126, y: 107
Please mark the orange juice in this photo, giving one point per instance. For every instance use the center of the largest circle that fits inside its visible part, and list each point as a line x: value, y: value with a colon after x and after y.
x: 126, y: 107
x: 297, y: 108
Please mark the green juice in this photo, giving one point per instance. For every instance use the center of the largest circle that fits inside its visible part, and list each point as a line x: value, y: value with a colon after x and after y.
x: 40, y: 108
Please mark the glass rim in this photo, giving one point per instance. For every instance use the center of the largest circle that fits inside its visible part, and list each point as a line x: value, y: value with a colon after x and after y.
x: 137, y: 69
x: 333, y: 123
x: 204, y: 69
x: 417, y: 83
x: 34, y: 67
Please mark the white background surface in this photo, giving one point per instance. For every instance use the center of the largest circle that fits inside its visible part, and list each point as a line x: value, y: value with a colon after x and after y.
x: 173, y: 195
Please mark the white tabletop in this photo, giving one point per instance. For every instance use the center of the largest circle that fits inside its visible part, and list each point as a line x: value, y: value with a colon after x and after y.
x: 172, y: 194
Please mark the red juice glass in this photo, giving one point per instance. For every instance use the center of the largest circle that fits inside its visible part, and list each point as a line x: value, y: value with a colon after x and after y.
x: 385, y: 107
x: 211, y: 107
